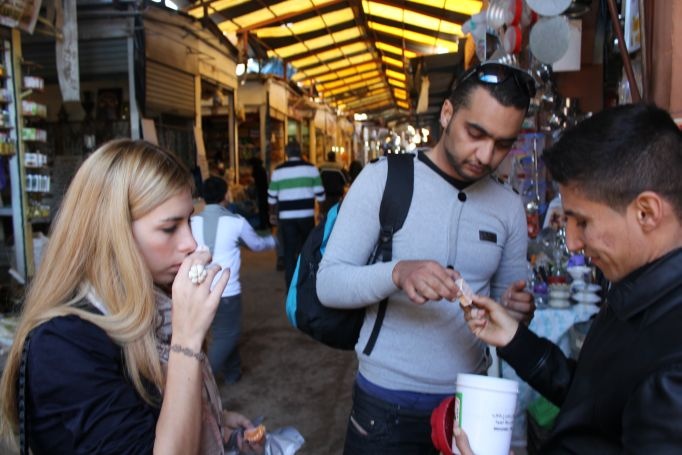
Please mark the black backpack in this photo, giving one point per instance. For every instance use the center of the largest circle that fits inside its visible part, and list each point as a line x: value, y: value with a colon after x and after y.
x: 334, y: 327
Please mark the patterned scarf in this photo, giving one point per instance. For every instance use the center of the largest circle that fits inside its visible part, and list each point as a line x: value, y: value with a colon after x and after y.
x: 211, y: 405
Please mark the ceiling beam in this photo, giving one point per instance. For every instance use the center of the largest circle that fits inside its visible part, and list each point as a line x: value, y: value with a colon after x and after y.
x: 324, y: 49
x: 331, y: 61
x: 320, y: 77
x: 253, y: 6
x: 320, y: 50
x: 302, y: 37
x: 416, y: 29
x: 442, y: 13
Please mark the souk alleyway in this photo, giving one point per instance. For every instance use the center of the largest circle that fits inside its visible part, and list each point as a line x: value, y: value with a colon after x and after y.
x: 287, y: 377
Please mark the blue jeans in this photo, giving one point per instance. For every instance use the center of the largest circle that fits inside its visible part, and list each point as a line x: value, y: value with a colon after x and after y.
x: 223, y: 354
x: 378, y: 427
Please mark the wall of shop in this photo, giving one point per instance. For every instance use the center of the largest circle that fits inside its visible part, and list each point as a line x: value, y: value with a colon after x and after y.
x: 665, y: 33
x: 586, y: 85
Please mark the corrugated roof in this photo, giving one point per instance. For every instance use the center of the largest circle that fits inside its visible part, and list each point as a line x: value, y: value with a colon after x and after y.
x: 354, y: 53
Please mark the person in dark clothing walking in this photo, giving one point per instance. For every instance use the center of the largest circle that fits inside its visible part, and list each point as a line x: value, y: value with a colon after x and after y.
x: 260, y: 180
x: 334, y: 181
x: 354, y: 170
x: 294, y: 188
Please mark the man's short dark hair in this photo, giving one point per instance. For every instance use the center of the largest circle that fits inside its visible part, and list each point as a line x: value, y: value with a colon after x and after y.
x: 618, y: 153
x: 214, y: 190
x: 293, y: 149
x: 508, y: 93
x: 331, y: 157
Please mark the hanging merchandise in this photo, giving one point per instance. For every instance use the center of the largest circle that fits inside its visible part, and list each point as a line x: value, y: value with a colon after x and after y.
x: 499, y: 25
x: 544, y: 87
x: 512, y: 39
x: 527, y: 177
x: 499, y: 13
x: 477, y: 26
x: 571, y: 60
x: 549, y: 38
x: 501, y: 56
x: 549, y: 7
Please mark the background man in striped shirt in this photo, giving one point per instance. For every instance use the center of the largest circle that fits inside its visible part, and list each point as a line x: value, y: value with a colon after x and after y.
x: 294, y: 187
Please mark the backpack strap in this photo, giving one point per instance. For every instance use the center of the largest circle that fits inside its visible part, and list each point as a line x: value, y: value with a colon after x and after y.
x: 395, y: 203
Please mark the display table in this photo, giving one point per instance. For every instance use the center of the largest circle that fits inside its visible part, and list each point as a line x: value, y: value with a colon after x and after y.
x: 553, y: 324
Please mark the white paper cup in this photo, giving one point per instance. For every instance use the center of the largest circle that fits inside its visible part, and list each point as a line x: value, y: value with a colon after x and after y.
x: 484, y: 409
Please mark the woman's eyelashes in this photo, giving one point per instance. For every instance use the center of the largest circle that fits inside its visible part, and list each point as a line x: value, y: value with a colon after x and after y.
x: 169, y: 230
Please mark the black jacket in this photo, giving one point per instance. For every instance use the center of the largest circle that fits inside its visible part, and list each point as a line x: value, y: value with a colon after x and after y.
x: 624, y: 395
x: 78, y: 397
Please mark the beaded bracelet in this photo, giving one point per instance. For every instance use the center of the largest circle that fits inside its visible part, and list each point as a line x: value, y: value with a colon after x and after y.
x: 200, y: 356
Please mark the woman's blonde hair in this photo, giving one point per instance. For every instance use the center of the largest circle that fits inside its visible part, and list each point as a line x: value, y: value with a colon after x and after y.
x: 91, y: 242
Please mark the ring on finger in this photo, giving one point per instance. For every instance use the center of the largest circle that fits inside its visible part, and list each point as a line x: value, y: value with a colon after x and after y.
x: 197, y: 274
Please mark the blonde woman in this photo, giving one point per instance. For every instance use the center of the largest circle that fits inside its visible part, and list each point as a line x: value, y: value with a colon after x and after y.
x: 100, y: 364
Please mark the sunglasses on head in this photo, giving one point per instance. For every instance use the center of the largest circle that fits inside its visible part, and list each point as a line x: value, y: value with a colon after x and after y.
x: 494, y: 73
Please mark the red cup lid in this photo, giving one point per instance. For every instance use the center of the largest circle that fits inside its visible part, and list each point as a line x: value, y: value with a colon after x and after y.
x: 442, y: 421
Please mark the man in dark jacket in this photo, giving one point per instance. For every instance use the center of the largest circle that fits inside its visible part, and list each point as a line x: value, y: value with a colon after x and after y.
x: 260, y: 180
x: 620, y: 177
x: 334, y: 181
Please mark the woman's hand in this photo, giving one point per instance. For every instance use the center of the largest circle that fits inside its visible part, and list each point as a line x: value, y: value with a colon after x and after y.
x: 194, y: 305
x: 489, y: 321
x: 235, y: 422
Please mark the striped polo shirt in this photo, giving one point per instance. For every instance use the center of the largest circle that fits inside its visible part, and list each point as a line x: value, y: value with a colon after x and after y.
x: 294, y: 186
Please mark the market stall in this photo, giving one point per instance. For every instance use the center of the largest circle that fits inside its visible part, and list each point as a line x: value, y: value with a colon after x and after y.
x: 264, y: 101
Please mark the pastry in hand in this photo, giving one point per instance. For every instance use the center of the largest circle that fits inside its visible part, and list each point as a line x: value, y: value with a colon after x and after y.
x: 255, y: 435
x: 467, y: 295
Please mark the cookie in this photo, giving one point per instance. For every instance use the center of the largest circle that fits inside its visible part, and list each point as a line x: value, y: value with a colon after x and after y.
x: 254, y: 435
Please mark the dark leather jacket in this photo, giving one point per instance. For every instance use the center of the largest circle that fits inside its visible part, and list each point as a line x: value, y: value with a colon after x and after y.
x: 624, y: 395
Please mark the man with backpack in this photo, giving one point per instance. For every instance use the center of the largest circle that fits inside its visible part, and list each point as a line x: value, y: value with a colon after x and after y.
x: 461, y: 222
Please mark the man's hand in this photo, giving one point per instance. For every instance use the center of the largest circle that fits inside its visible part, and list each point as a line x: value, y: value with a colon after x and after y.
x: 425, y: 280
x: 489, y: 321
x: 519, y: 302
x: 462, y: 441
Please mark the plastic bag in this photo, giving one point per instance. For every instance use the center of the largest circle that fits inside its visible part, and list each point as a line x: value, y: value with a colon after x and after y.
x: 282, y: 441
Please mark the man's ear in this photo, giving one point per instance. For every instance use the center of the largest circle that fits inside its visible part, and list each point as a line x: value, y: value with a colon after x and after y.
x: 650, y: 209
x: 446, y: 113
